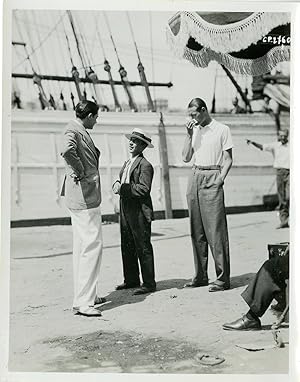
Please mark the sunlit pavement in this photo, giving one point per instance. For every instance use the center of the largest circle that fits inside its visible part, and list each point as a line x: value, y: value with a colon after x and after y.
x: 47, y: 335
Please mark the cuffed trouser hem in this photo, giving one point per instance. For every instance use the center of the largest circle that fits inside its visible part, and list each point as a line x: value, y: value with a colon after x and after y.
x: 87, y: 255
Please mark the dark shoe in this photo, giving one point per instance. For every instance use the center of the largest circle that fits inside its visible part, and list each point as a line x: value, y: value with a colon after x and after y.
x: 217, y: 288
x: 99, y: 300
x: 127, y: 286
x: 192, y: 284
x: 144, y: 290
x: 243, y: 323
x: 285, y: 225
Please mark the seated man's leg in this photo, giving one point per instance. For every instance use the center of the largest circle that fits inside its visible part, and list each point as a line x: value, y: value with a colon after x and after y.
x: 281, y: 301
x: 261, y: 291
x: 258, y: 295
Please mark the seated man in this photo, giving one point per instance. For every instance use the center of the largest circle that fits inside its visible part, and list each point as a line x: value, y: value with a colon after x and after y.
x: 268, y: 283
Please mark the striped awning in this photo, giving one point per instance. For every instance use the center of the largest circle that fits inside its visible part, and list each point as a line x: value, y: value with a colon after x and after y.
x: 250, y: 43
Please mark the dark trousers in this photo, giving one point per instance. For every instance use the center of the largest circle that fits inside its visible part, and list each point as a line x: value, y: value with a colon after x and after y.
x: 283, y: 189
x: 208, y: 225
x: 268, y: 283
x: 136, y: 244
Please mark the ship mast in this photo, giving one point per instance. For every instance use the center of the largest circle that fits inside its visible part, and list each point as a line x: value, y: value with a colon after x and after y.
x: 141, y: 69
x: 107, y: 68
x: 122, y: 71
x: 36, y: 78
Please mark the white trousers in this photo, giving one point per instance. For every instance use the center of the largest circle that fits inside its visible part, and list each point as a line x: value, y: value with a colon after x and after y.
x: 87, y: 255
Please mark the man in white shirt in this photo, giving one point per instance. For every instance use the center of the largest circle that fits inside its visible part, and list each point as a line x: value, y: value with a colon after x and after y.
x: 281, y: 154
x: 211, y: 145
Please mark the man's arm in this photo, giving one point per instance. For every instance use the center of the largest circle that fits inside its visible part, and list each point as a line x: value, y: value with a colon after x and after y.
x: 140, y: 189
x: 255, y: 144
x: 227, y: 163
x: 69, y: 153
x: 188, y: 151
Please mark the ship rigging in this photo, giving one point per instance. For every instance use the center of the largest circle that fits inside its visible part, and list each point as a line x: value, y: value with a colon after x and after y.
x: 71, y: 40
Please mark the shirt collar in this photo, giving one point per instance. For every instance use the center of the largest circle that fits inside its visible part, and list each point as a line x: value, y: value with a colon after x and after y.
x: 210, y: 125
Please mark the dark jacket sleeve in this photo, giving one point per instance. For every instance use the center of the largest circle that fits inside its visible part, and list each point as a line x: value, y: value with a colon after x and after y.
x: 142, y: 187
x: 69, y: 152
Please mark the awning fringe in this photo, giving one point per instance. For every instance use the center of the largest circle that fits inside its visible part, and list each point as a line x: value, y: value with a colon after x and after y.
x: 224, y: 38
x: 254, y: 67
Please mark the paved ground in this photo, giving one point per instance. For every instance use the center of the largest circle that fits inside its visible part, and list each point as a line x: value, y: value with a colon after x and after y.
x: 163, y: 332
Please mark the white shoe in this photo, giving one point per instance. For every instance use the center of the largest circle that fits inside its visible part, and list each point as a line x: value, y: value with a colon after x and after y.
x: 89, y: 312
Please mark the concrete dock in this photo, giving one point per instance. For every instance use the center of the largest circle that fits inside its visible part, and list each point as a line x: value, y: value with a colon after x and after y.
x: 163, y: 332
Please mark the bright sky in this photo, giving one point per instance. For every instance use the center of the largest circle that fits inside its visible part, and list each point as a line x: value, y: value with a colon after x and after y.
x: 149, y: 28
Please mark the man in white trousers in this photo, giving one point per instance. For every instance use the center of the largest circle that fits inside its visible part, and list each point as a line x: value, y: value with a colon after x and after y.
x: 82, y: 191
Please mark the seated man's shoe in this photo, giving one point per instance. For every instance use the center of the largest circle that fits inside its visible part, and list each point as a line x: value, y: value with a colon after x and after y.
x: 243, y: 323
x: 127, y: 286
x: 88, y: 312
x: 217, y: 288
x: 99, y: 300
x: 285, y: 225
x: 144, y: 290
x: 193, y: 284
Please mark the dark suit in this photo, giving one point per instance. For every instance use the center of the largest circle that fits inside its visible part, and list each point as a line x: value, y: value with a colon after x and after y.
x: 268, y: 283
x: 136, y: 215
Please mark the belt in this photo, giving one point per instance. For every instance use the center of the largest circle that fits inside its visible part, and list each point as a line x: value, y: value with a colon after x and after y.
x: 216, y: 167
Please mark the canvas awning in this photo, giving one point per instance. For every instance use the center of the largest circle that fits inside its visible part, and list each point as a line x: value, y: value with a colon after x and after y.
x: 250, y: 43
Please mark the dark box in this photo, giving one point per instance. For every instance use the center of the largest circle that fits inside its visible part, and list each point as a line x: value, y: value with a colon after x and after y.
x: 278, y: 249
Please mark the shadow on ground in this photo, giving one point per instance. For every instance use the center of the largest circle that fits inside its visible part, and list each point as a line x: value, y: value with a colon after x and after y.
x: 123, y: 297
x: 241, y: 280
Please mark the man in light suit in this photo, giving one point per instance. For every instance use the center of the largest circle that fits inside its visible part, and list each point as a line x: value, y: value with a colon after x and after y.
x: 136, y: 215
x: 82, y: 192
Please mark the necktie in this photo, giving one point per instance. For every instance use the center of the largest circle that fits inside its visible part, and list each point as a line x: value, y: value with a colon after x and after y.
x: 125, y: 172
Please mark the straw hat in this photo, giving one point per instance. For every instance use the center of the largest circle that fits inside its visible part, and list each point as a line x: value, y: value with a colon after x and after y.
x: 140, y: 134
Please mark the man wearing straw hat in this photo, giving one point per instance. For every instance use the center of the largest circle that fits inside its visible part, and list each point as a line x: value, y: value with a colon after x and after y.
x: 136, y: 215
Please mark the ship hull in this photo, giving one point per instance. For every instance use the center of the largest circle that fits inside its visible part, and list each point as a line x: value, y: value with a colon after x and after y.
x: 37, y: 168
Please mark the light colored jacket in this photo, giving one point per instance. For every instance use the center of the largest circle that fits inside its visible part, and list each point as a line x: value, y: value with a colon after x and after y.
x: 81, y: 159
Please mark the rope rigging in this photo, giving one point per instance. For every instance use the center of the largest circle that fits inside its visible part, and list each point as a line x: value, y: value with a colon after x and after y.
x: 84, y: 60
x: 69, y: 46
x: 40, y: 57
x: 73, y: 67
x: 41, y: 43
x: 36, y: 78
x: 76, y: 38
x: 83, y: 44
x: 90, y: 73
x: 152, y: 56
x: 107, y: 68
x: 141, y: 69
x: 50, y: 86
x: 122, y: 71
x: 75, y: 73
x: 62, y: 52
